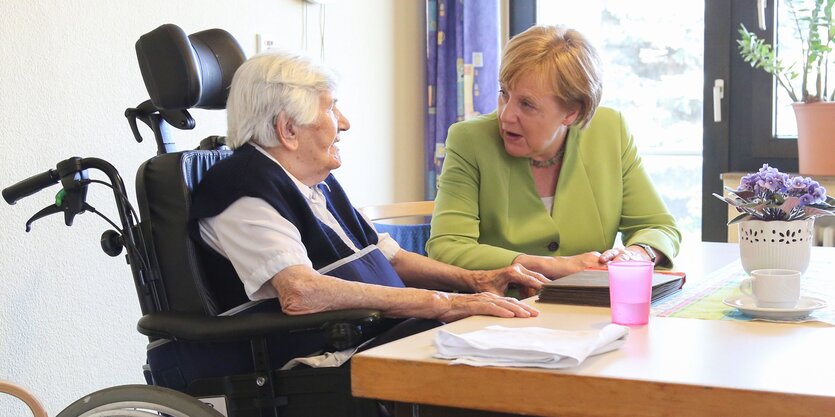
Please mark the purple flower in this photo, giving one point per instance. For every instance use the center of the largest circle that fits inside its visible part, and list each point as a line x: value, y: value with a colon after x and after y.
x: 765, y: 195
x: 799, y: 182
x: 820, y: 194
x: 765, y: 183
x: 747, y: 183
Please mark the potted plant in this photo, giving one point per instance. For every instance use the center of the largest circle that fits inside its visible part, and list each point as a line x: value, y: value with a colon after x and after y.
x: 776, y: 224
x: 805, y: 80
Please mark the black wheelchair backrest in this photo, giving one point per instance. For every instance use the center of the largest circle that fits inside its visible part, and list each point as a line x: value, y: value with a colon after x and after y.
x: 163, y: 186
x: 180, y: 72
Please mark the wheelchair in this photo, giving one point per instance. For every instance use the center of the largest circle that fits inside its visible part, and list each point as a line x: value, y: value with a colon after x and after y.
x: 210, y: 351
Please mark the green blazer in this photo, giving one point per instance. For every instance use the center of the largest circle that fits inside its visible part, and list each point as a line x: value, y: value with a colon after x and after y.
x: 487, y: 211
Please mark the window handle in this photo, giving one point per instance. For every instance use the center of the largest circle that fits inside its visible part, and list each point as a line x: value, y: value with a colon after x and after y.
x: 761, y: 5
x: 718, y: 95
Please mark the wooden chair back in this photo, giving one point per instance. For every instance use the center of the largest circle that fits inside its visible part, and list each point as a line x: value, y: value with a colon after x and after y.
x: 399, y: 210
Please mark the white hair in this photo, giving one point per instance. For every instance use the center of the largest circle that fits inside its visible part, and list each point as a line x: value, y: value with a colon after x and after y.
x: 268, y: 84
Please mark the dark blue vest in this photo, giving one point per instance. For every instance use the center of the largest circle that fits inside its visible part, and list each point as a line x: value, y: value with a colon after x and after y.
x: 249, y: 173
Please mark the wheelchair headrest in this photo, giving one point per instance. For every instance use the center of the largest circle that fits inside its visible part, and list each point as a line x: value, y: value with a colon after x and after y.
x: 181, y: 72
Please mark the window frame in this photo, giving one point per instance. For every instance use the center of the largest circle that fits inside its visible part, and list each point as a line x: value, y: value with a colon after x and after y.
x: 744, y: 140
x: 521, y: 15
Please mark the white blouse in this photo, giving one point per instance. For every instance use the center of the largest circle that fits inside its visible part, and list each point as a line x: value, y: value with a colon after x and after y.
x: 260, y: 243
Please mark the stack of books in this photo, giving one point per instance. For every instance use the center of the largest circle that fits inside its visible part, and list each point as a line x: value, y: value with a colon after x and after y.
x: 591, y: 287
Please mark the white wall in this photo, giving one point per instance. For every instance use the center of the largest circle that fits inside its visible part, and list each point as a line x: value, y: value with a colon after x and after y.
x: 67, y: 311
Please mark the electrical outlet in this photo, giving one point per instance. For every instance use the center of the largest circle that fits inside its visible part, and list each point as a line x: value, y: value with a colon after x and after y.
x: 264, y: 42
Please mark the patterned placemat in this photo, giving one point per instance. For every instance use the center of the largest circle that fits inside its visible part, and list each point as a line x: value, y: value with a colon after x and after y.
x: 703, y: 299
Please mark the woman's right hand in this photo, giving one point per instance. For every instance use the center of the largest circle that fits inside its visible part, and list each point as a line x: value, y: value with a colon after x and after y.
x: 559, y: 266
x: 572, y: 264
x: 459, y: 306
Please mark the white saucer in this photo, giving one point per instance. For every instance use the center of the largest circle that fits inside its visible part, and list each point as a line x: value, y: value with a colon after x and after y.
x: 804, y: 307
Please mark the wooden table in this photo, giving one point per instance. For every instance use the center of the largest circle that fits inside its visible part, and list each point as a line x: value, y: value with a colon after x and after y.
x: 670, y: 367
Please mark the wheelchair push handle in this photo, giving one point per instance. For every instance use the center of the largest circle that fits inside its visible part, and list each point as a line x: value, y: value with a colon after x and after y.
x: 71, y: 172
x: 71, y: 201
x: 30, y: 186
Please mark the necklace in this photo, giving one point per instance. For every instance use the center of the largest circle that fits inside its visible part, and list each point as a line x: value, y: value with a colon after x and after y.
x: 549, y: 162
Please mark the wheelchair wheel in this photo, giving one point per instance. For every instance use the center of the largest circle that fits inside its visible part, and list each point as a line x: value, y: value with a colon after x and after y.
x: 138, y: 401
x: 22, y: 394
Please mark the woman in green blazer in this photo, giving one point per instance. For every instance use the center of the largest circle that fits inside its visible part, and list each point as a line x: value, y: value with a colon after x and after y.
x: 549, y: 179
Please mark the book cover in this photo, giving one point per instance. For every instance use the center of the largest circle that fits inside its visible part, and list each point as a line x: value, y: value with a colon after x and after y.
x: 591, y: 287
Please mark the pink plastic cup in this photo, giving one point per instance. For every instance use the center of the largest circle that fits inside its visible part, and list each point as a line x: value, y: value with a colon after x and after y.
x: 630, y: 291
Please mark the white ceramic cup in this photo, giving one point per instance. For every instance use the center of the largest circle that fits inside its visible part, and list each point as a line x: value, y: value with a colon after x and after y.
x: 773, y: 288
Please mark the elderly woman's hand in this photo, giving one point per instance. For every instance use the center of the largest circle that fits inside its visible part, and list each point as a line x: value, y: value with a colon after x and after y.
x: 459, y: 306
x: 497, y: 280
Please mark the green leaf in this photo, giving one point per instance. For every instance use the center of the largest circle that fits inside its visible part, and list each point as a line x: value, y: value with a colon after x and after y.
x: 813, y: 21
x: 737, y: 219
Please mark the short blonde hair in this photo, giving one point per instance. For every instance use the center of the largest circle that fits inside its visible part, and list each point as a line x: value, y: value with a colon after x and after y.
x: 563, y: 57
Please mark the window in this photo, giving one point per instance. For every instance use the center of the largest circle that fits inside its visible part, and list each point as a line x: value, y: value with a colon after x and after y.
x: 790, y: 49
x: 753, y: 129
x: 652, y: 57
x: 755, y: 126
x: 785, y: 126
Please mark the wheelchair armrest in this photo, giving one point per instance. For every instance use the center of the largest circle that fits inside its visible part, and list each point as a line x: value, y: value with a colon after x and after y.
x: 199, y: 328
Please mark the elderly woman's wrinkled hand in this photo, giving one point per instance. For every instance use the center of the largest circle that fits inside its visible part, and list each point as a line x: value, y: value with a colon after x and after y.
x: 459, y: 306
x: 498, y: 280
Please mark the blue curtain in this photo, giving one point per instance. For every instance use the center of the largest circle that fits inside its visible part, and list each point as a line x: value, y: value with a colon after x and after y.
x: 462, y: 71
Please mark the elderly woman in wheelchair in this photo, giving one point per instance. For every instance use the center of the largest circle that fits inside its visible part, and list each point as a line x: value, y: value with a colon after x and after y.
x: 274, y: 210
x: 279, y: 264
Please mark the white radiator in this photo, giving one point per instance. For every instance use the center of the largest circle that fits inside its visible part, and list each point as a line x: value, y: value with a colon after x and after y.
x: 824, y: 232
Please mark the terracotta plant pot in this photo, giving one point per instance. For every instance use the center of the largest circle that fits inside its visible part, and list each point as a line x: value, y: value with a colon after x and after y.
x: 775, y: 244
x: 815, y: 137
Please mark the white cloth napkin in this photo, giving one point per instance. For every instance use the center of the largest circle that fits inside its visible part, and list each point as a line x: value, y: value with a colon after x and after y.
x: 325, y: 360
x: 535, y: 347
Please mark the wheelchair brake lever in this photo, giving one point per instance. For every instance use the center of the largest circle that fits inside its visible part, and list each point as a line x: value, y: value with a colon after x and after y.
x: 70, y: 203
x: 46, y: 211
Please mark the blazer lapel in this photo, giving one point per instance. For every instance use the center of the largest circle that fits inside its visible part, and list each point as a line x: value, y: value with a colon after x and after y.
x: 576, y: 211
x: 524, y: 203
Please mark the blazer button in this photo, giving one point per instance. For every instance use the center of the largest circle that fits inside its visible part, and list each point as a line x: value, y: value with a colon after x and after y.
x: 553, y: 246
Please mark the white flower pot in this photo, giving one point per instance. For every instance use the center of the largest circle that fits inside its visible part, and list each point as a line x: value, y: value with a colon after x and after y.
x: 775, y: 244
